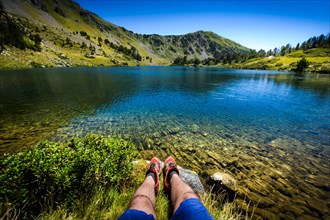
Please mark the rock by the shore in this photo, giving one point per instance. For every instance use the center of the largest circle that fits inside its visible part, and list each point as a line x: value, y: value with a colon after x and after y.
x: 224, y: 179
x: 192, y: 179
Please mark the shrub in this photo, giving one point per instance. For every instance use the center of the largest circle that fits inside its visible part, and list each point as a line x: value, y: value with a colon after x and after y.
x: 36, y: 64
x: 28, y: 43
x: 37, y: 42
x: 11, y: 33
x: 59, y: 11
x: 83, y: 45
x: 302, y: 64
x: 1, y: 7
x: 325, y: 69
x: 54, y: 173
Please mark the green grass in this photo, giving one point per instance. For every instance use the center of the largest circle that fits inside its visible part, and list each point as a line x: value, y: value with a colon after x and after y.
x: 318, y: 58
x: 110, y: 203
x: 316, y: 52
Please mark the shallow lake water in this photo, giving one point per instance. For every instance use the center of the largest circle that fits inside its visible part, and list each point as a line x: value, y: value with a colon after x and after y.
x: 268, y: 129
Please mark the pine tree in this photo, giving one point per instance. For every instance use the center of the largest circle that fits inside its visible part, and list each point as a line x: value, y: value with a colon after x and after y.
x: 37, y: 42
x: 302, y: 64
x: 83, y: 45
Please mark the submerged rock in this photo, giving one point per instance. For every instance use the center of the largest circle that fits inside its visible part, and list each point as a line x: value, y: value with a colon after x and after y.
x: 230, y: 161
x: 174, y: 130
x: 260, y: 200
x: 320, y: 181
x: 194, y: 128
x: 204, y: 134
x: 307, y: 217
x: 317, y: 205
x: 191, y: 150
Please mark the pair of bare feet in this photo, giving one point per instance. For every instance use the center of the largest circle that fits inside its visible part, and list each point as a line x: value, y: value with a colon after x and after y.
x: 145, y: 197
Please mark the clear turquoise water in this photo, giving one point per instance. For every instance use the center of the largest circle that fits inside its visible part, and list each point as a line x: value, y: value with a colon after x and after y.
x: 138, y: 102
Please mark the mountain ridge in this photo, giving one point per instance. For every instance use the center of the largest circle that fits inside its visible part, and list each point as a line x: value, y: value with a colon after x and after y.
x: 83, y: 38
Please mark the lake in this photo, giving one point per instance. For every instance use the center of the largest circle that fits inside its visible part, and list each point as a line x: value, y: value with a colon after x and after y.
x: 268, y: 129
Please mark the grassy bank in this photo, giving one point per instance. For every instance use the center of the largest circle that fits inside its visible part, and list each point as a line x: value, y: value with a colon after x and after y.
x: 13, y: 58
x: 109, y: 203
x: 90, y: 178
x: 318, y: 58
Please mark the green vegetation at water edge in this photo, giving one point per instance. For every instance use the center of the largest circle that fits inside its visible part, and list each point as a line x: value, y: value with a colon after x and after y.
x: 317, y: 61
x: 312, y: 55
x: 53, y: 174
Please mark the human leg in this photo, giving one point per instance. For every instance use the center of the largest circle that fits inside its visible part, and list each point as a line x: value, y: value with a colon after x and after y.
x: 185, y: 201
x: 144, y: 199
x: 180, y: 191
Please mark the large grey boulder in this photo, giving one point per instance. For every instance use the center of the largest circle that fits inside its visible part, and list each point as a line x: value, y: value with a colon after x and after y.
x: 192, y: 179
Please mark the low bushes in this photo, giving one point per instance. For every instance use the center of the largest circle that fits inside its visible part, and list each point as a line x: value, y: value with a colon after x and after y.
x: 53, y: 173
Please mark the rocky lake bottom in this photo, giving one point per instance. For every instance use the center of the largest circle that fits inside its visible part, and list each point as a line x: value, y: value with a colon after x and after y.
x: 280, y: 178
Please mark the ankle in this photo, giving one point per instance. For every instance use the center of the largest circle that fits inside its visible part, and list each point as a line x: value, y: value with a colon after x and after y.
x: 153, y: 176
x: 171, y: 175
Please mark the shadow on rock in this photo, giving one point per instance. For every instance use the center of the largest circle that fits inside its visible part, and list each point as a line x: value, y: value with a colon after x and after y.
x: 223, y: 184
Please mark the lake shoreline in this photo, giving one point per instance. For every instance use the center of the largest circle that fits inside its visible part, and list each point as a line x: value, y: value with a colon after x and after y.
x: 235, y: 66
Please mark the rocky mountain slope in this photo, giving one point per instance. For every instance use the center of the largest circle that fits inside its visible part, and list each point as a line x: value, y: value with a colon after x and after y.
x: 61, y: 33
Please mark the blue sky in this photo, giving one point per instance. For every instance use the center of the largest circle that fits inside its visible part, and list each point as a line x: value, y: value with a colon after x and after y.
x: 258, y: 24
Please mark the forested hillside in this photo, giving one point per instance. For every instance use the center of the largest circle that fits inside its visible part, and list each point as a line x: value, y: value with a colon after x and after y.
x: 60, y: 33
x: 313, y: 53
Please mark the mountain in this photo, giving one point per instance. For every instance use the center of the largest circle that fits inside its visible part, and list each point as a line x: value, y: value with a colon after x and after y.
x: 60, y: 33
